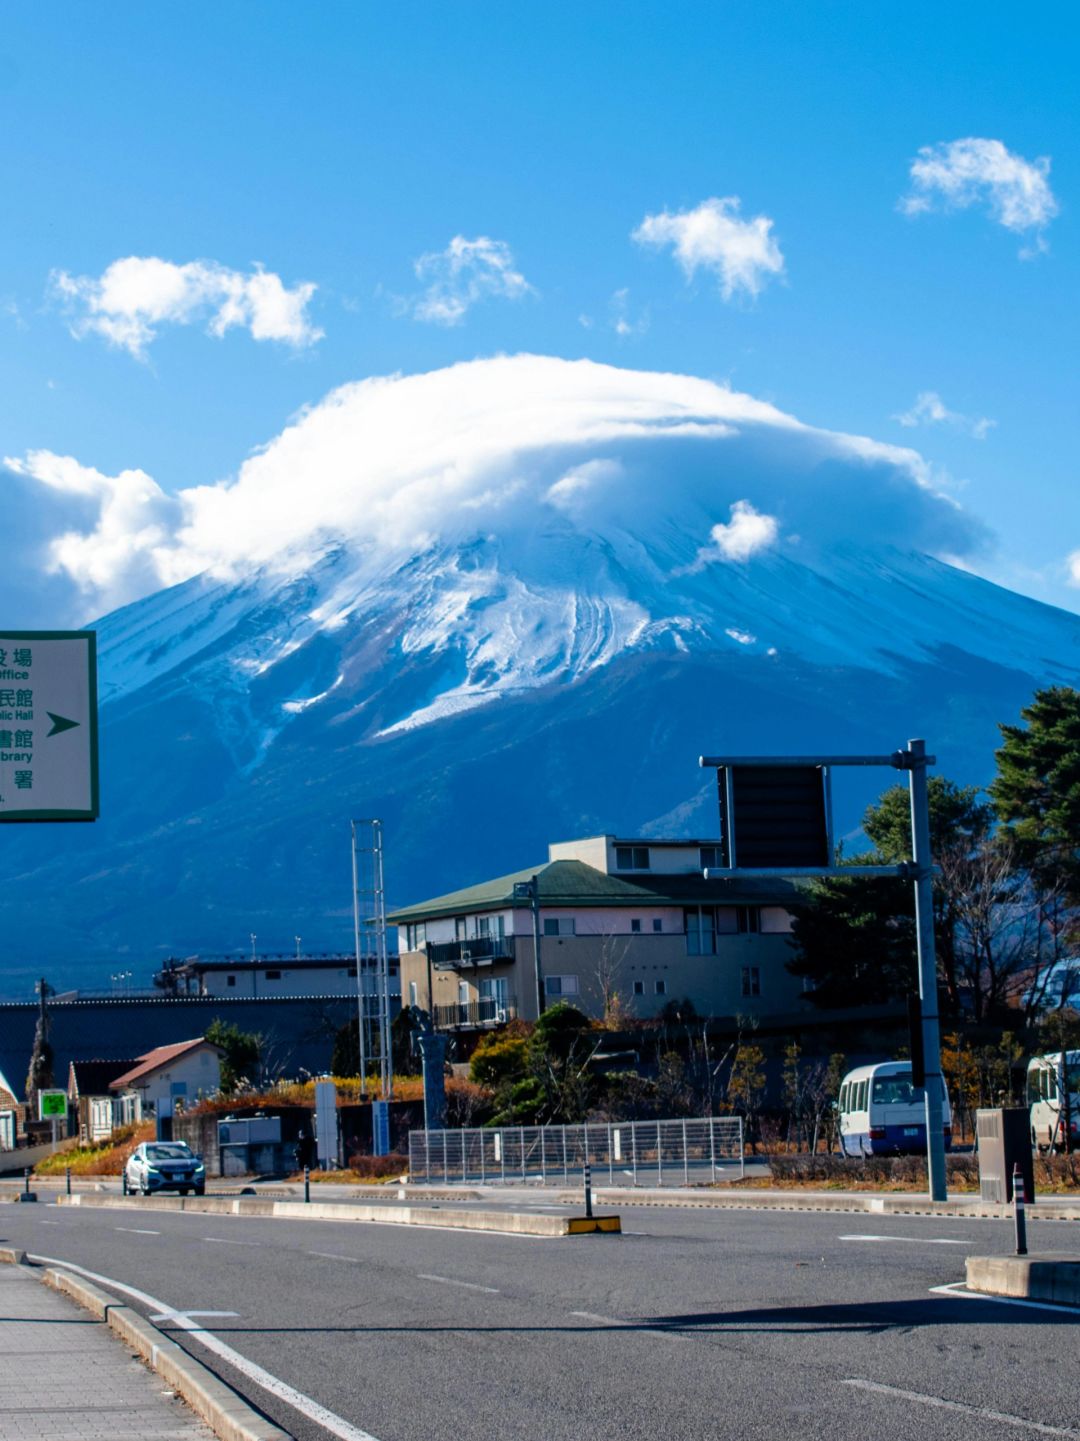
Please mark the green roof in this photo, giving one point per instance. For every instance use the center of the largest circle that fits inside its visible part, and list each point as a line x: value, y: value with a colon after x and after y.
x: 573, y: 883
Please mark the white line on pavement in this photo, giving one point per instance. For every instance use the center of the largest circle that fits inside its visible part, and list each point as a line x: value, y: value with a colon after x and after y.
x: 467, y: 1285
x: 592, y: 1316
x: 960, y: 1291
x: 230, y: 1241
x: 336, y: 1425
x: 334, y: 1256
x: 939, y: 1403
x: 913, y: 1240
x: 172, y: 1315
x: 136, y: 1231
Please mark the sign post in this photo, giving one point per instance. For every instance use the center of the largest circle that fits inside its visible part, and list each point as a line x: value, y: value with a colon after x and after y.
x: 51, y: 1106
x: 48, y: 726
x: 775, y: 814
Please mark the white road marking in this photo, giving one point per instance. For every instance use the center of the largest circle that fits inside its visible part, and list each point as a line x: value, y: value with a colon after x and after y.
x: 336, y: 1425
x: 982, y: 1412
x: 466, y: 1285
x: 913, y: 1240
x: 603, y: 1320
x: 136, y: 1231
x: 960, y: 1291
x: 172, y: 1315
x: 229, y: 1241
x: 52, y: 1223
x: 334, y: 1256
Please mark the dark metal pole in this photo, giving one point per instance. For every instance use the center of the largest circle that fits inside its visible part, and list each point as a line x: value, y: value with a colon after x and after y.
x: 588, y: 1190
x: 916, y: 759
x: 67, y: 1172
x: 535, y: 897
x: 26, y: 1180
x: 1019, y: 1214
x: 307, y: 1183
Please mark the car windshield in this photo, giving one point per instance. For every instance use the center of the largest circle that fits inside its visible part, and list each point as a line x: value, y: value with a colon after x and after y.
x: 168, y: 1153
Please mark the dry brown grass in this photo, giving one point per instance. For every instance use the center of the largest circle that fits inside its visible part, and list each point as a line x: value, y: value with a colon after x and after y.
x: 106, y: 1159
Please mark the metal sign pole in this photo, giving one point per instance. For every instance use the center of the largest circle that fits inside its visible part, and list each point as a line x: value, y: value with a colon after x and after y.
x: 915, y: 756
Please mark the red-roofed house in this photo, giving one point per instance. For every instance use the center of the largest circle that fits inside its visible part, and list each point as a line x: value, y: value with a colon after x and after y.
x: 183, y: 1071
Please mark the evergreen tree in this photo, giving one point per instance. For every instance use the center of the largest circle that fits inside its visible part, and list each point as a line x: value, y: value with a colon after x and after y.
x: 1037, y: 788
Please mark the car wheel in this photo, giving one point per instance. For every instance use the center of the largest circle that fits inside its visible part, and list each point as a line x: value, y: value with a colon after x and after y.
x: 200, y: 1190
x: 184, y: 1190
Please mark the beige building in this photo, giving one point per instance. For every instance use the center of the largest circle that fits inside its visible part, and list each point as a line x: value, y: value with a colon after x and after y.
x: 167, y: 1075
x: 636, y: 918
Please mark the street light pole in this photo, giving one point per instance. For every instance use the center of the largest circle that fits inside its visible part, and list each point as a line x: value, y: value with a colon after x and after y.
x: 530, y: 891
x: 915, y: 758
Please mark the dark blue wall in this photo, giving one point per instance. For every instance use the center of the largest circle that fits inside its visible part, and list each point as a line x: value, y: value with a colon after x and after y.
x: 298, y: 1030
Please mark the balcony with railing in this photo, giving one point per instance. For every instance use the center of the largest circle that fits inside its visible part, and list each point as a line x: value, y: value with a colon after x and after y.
x: 467, y: 955
x: 487, y: 1011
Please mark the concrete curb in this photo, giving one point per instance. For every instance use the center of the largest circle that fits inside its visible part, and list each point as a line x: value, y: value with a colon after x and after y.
x: 1035, y: 1278
x: 226, y: 1413
x: 871, y: 1203
x: 516, y: 1223
x: 10, y: 1257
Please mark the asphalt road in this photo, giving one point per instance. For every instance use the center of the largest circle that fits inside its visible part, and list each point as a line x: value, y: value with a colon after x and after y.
x: 690, y: 1325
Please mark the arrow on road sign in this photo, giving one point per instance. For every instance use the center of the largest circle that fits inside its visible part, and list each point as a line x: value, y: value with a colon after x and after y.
x: 59, y: 723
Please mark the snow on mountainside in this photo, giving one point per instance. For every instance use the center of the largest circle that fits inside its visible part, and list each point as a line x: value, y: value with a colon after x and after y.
x: 498, y: 605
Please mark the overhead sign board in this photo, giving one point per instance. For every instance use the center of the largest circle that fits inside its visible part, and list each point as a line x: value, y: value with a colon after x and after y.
x: 48, y: 726
x: 773, y: 816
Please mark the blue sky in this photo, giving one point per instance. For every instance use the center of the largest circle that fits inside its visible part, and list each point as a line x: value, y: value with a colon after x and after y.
x: 337, y: 144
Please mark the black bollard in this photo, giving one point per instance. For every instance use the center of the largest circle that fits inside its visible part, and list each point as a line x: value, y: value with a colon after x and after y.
x: 307, y: 1183
x: 588, y: 1191
x: 1019, y: 1214
x: 67, y: 1174
x: 26, y: 1181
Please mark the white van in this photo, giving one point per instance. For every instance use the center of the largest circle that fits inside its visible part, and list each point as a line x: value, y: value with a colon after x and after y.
x: 1045, y: 1093
x: 882, y: 1114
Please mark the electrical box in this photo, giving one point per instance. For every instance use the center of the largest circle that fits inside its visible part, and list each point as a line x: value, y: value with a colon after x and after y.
x: 1004, y: 1140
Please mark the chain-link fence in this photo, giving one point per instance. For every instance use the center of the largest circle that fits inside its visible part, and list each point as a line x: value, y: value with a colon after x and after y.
x: 628, y: 1153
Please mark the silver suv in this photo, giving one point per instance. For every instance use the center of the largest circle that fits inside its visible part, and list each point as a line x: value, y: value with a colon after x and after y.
x: 164, y: 1166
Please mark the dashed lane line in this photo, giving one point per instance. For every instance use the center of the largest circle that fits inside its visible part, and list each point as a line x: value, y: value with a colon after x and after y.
x: 912, y: 1240
x: 939, y: 1403
x: 136, y: 1231
x: 465, y: 1285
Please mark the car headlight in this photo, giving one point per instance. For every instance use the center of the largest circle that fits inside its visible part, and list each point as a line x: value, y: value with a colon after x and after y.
x: 200, y: 1167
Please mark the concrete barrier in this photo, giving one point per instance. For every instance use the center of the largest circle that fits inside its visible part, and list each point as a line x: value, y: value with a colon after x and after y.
x: 516, y: 1223
x: 1034, y: 1278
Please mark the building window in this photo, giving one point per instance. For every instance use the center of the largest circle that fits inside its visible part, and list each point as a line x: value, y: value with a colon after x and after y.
x: 559, y: 926
x: 700, y: 925
x: 230, y: 980
x: 657, y: 924
x: 412, y: 993
x: 635, y: 926
x: 273, y: 975
x: 711, y: 858
x: 639, y: 988
x: 561, y: 985
x: 751, y: 981
x: 483, y: 926
x: 749, y: 920
x: 631, y: 858
x: 661, y: 988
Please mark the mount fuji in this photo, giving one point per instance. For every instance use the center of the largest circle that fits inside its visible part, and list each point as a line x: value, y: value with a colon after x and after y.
x: 495, y: 605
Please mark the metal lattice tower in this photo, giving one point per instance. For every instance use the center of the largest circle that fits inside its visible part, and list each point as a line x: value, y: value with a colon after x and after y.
x: 372, y: 954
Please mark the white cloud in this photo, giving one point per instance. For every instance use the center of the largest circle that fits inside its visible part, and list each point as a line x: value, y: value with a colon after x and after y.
x: 131, y: 546
x: 930, y: 409
x: 466, y: 272
x: 393, y: 466
x: 744, y: 535
x: 743, y: 637
x: 960, y: 173
x: 1073, y: 562
x: 742, y: 254
x: 623, y: 322
x: 135, y: 296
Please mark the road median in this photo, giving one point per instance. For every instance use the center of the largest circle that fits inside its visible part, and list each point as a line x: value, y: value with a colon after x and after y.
x: 517, y: 1223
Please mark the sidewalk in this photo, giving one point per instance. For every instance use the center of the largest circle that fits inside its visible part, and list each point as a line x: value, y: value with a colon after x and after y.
x: 66, y: 1377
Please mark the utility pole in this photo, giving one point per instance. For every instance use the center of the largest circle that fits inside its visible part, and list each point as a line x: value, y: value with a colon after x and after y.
x: 369, y: 898
x: 530, y: 891
x: 361, y: 1017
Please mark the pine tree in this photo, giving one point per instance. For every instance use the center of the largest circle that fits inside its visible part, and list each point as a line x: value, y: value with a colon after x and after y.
x: 1036, y: 792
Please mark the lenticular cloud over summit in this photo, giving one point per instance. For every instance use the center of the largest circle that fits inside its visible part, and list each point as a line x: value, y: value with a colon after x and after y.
x: 511, y: 446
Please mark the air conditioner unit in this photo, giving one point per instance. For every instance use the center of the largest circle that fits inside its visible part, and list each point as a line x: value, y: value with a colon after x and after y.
x: 501, y: 1017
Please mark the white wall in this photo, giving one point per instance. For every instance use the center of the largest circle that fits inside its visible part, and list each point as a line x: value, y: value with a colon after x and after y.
x: 198, y: 1070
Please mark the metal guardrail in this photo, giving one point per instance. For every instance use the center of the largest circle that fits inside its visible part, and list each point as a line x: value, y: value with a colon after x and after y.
x: 635, y: 1153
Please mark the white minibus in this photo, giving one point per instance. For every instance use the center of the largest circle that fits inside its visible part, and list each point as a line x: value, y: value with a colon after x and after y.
x: 1045, y: 1093
x: 882, y: 1114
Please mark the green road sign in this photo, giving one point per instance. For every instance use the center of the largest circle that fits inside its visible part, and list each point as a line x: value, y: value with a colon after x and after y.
x: 48, y: 725
x: 51, y: 1103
